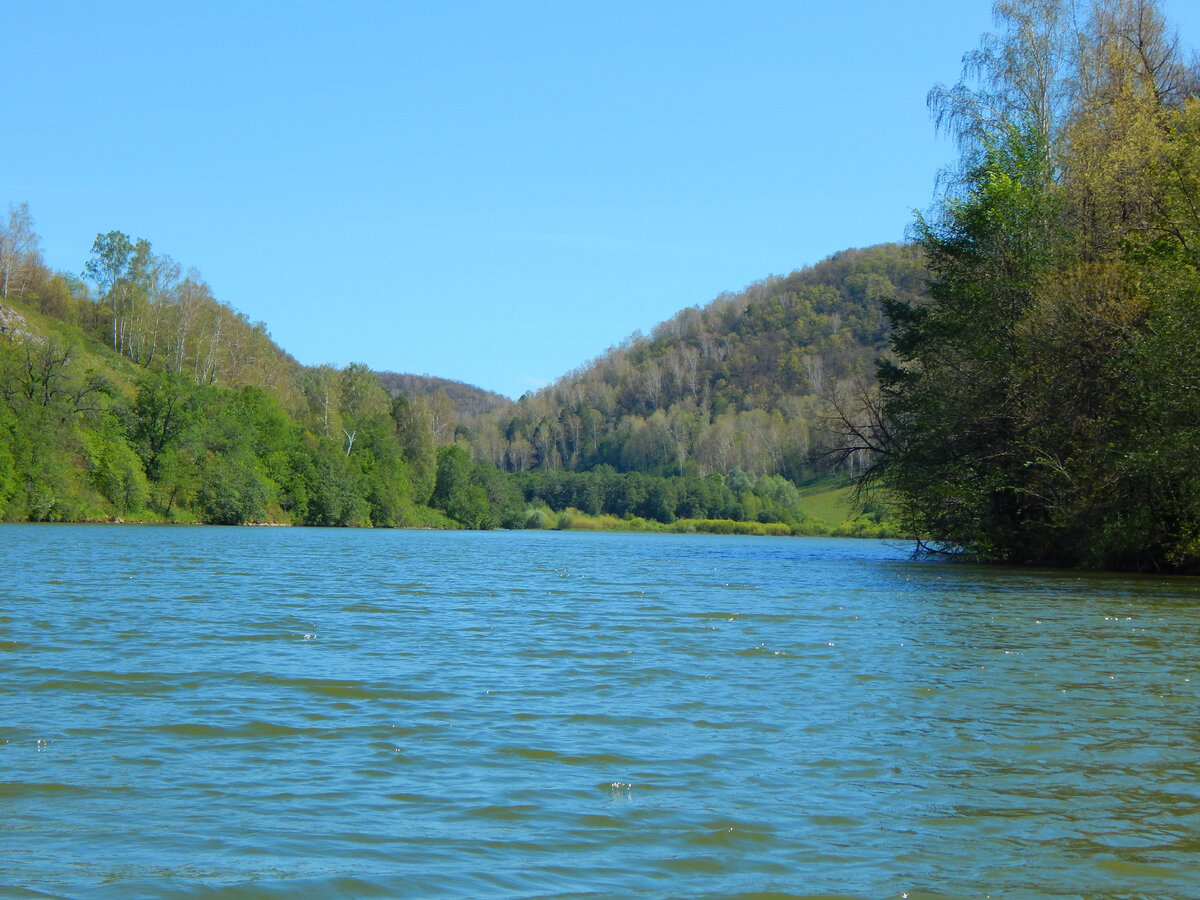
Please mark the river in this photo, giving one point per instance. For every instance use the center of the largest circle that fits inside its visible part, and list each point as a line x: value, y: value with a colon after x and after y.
x: 241, y: 712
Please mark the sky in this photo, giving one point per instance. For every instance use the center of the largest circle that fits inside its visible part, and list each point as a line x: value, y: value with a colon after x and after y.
x: 489, y: 192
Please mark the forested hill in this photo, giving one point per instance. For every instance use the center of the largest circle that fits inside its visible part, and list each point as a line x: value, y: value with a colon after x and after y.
x: 449, y: 401
x: 741, y: 383
x: 133, y: 393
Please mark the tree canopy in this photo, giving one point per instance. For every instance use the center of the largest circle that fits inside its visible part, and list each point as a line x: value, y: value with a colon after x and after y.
x: 1041, y: 405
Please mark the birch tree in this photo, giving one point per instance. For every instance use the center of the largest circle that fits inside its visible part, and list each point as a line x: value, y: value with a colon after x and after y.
x: 18, y: 251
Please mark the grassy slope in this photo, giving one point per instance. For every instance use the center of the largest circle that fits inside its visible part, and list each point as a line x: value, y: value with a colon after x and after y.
x: 87, y: 354
x: 830, y: 499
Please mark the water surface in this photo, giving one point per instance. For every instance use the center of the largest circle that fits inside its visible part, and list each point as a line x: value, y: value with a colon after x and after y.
x: 208, y: 712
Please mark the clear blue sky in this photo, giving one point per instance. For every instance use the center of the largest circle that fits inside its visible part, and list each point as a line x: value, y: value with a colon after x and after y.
x: 489, y: 192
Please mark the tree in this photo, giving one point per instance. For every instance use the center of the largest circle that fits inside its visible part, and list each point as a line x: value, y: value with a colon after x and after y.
x: 361, y: 396
x: 116, y: 471
x: 321, y: 387
x: 230, y: 491
x: 45, y: 372
x: 1020, y: 78
x: 18, y: 251
x: 189, y: 298
x: 1021, y: 418
x: 950, y: 441
x: 418, y: 447
x: 8, y: 467
x: 441, y: 415
x: 166, y: 408
x: 161, y: 281
x: 457, y: 494
x: 117, y: 266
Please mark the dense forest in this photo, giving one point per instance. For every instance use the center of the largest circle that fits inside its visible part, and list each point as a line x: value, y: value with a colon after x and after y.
x: 1043, y: 405
x: 131, y: 393
x: 744, y: 383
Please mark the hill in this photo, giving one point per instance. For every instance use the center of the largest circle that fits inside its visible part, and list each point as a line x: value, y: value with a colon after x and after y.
x: 138, y: 395
x: 744, y: 382
x: 449, y: 403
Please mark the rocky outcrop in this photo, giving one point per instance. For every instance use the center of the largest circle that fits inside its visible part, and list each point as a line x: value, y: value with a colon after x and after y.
x: 12, y: 324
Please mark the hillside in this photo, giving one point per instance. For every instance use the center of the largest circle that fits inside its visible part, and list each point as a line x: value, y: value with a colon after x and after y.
x: 741, y: 383
x: 138, y: 395
x: 468, y: 400
x: 449, y: 403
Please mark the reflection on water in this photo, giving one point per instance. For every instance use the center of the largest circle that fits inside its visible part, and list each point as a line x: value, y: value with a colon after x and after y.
x: 279, y: 712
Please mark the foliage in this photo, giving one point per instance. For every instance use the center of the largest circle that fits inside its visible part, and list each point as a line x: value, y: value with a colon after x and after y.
x: 230, y: 491
x: 116, y: 471
x: 475, y: 494
x: 1040, y: 407
x: 465, y: 400
x: 741, y: 383
x: 603, y: 491
x: 418, y: 449
x: 150, y: 399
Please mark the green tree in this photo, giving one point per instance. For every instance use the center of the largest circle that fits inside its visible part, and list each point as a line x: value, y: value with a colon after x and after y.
x: 456, y: 493
x: 950, y: 442
x: 166, y: 407
x: 1027, y: 415
x: 383, y: 478
x: 361, y: 396
x: 8, y: 469
x: 116, y: 471
x: 230, y: 491
x: 109, y: 269
x: 418, y: 446
x: 331, y: 489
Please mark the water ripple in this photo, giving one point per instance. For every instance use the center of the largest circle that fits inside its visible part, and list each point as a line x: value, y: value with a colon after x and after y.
x: 284, y: 712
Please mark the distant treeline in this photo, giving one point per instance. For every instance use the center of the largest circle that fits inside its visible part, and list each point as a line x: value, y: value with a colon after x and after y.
x: 746, y: 382
x: 740, y: 496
